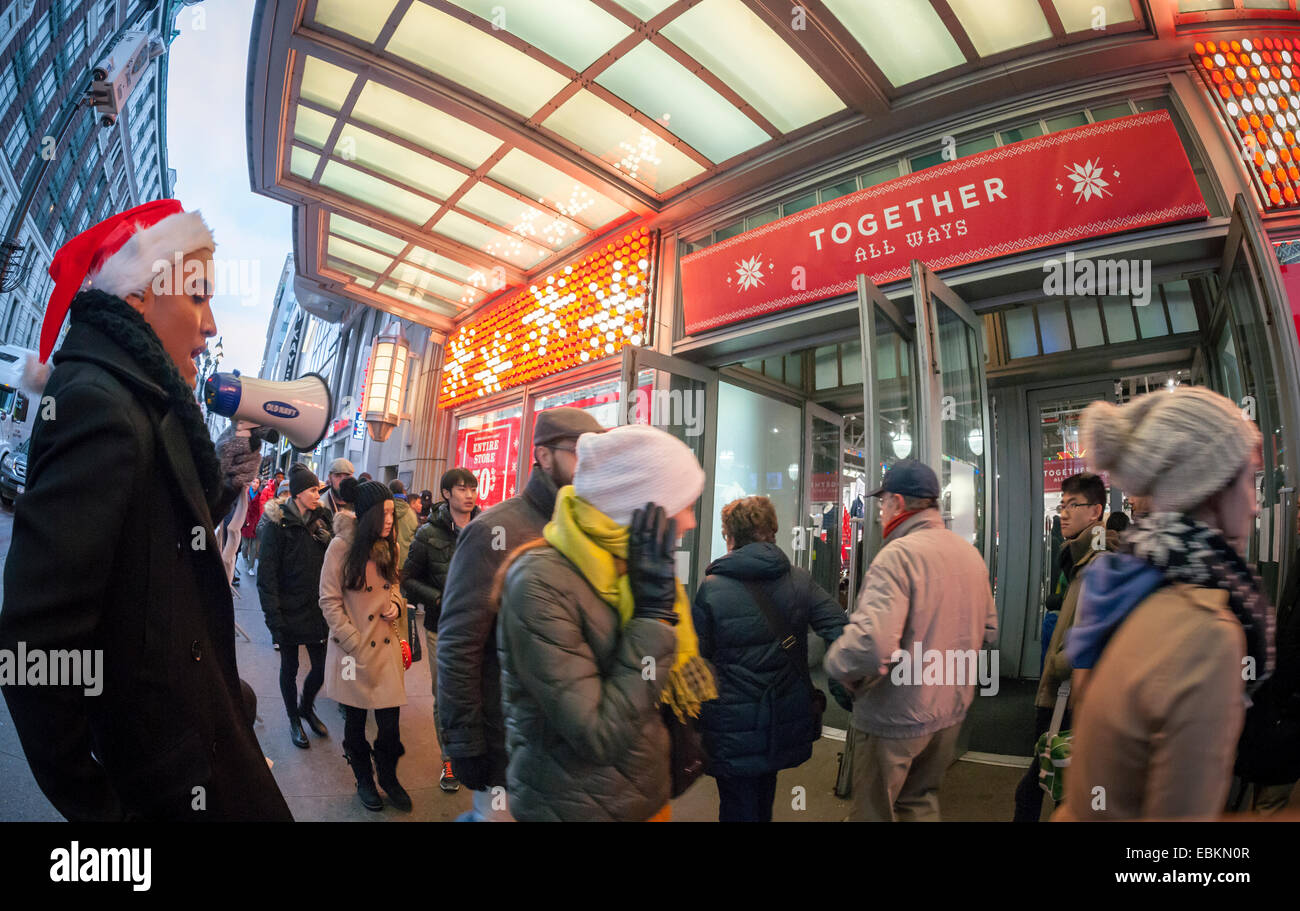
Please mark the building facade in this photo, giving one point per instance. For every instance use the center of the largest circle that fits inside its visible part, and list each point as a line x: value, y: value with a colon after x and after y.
x: 47, y: 48
x: 811, y: 261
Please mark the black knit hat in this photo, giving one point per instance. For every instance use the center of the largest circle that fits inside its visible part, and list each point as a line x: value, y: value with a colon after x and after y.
x: 371, y: 493
x: 300, y: 479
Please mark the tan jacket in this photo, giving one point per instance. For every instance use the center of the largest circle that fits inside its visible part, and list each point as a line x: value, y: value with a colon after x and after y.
x: 1056, y: 665
x: 374, y: 677
x: 1165, y: 705
x: 928, y: 586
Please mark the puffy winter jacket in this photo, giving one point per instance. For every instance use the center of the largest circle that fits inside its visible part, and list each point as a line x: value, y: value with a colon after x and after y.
x: 583, y: 728
x: 762, y: 720
x: 405, y: 520
x: 288, y: 573
x: 424, y: 571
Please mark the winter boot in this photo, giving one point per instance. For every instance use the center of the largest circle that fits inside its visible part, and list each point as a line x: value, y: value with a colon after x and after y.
x: 386, y: 767
x: 361, y: 767
x: 416, y: 634
x: 307, y: 712
x: 296, y: 733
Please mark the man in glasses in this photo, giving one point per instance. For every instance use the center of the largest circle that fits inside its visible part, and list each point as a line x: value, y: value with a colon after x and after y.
x: 1083, y: 502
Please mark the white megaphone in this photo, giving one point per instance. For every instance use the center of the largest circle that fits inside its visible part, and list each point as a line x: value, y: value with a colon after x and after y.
x: 300, y: 409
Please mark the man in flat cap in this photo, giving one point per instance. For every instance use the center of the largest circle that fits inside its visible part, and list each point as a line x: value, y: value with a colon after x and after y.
x: 340, y: 470
x: 469, y: 675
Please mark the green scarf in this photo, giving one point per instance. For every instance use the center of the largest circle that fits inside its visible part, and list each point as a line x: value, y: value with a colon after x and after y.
x: 597, y: 546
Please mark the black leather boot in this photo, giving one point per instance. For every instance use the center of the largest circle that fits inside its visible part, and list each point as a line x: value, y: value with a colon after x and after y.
x: 386, y: 767
x: 296, y: 733
x: 361, y: 767
x: 307, y: 712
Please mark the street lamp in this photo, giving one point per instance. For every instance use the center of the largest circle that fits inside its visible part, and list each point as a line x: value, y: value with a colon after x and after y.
x: 386, y: 382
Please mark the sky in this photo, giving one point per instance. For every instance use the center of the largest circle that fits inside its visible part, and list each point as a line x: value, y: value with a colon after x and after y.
x: 208, y: 146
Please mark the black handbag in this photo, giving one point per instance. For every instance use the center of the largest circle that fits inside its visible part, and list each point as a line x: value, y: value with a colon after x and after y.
x: 686, y: 754
x: 786, y: 639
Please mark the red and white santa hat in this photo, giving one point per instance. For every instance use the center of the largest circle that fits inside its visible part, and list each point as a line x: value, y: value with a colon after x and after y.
x: 120, y: 256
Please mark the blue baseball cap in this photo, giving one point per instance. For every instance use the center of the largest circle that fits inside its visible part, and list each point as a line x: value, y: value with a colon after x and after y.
x: 911, y: 479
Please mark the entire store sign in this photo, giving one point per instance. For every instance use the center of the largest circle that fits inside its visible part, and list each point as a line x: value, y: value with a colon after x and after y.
x: 490, y: 453
x: 1116, y: 175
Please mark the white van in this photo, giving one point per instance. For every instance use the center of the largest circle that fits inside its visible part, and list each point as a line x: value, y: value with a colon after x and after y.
x: 17, y: 411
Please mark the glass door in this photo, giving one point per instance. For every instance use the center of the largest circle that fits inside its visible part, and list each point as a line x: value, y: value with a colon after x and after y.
x: 681, y: 398
x: 1254, y: 352
x: 891, y: 412
x: 956, y: 440
x: 823, y: 494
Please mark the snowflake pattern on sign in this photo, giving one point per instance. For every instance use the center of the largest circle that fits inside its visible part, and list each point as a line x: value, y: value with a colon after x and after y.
x: 1088, y: 181
x: 749, y: 272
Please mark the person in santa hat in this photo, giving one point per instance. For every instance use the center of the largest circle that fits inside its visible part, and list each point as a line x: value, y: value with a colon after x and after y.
x: 137, y: 586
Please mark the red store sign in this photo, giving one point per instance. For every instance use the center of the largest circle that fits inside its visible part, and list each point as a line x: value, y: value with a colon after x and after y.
x: 490, y: 453
x: 1117, y: 175
x: 1057, y: 470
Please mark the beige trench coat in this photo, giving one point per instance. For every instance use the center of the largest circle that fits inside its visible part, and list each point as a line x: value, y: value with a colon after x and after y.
x: 374, y: 677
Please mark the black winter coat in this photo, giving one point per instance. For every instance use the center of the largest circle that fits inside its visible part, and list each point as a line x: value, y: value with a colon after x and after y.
x: 762, y: 720
x: 424, y: 574
x: 1269, y: 750
x: 137, y: 576
x: 469, y: 669
x: 288, y: 573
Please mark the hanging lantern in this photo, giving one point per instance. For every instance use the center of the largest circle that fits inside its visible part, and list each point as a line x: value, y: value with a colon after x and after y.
x: 386, y: 382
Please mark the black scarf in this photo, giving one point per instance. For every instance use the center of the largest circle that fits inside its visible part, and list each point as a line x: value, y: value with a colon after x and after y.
x: 1187, y: 550
x: 116, y: 319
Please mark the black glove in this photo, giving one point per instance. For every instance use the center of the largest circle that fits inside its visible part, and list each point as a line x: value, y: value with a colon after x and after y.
x: 650, y: 564
x: 472, y: 772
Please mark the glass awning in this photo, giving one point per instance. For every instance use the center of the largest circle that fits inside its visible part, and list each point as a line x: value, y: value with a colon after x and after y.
x: 492, y: 140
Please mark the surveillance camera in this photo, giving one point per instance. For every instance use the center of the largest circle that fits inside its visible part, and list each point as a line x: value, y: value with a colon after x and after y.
x: 99, y: 74
x: 107, y: 120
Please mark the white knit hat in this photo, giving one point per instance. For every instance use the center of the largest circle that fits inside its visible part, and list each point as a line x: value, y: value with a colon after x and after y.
x: 626, y: 467
x: 1177, y: 447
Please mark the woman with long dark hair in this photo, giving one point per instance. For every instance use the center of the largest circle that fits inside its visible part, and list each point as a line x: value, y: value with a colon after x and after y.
x: 364, y: 668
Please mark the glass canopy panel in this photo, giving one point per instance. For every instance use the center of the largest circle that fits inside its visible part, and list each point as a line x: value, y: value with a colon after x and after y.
x: 646, y: 9
x: 906, y: 38
x: 743, y: 52
x: 1001, y: 25
x: 1081, y: 15
x: 325, y: 84
x: 424, y: 125
x: 426, y: 281
x: 519, y: 217
x: 364, y: 20
x: 491, y: 241
x: 455, y: 50
x: 303, y: 163
x: 312, y: 126
x: 362, y: 276
x: 660, y: 87
x: 355, y: 253
x: 419, y: 299
x: 398, y: 162
x: 612, y: 136
x: 355, y: 230
x: 430, y: 260
x: 576, y: 32
x: 377, y: 193
x: 538, y: 180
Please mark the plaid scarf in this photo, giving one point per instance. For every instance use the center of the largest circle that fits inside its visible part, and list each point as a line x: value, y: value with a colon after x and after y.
x: 1187, y: 550
x: 597, y: 546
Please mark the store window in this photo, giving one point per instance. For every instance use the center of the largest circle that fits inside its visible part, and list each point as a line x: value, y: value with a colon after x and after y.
x: 600, y: 399
x: 488, y: 445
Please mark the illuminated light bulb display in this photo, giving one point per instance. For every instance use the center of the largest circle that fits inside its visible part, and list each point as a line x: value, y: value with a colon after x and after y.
x: 1255, y: 83
x: 578, y: 313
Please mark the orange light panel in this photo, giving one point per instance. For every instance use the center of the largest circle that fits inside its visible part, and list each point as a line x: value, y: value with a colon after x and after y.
x: 1255, y: 84
x: 581, y: 312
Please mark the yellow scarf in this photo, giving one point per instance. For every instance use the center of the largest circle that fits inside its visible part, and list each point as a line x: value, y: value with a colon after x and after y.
x: 593, y: 541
